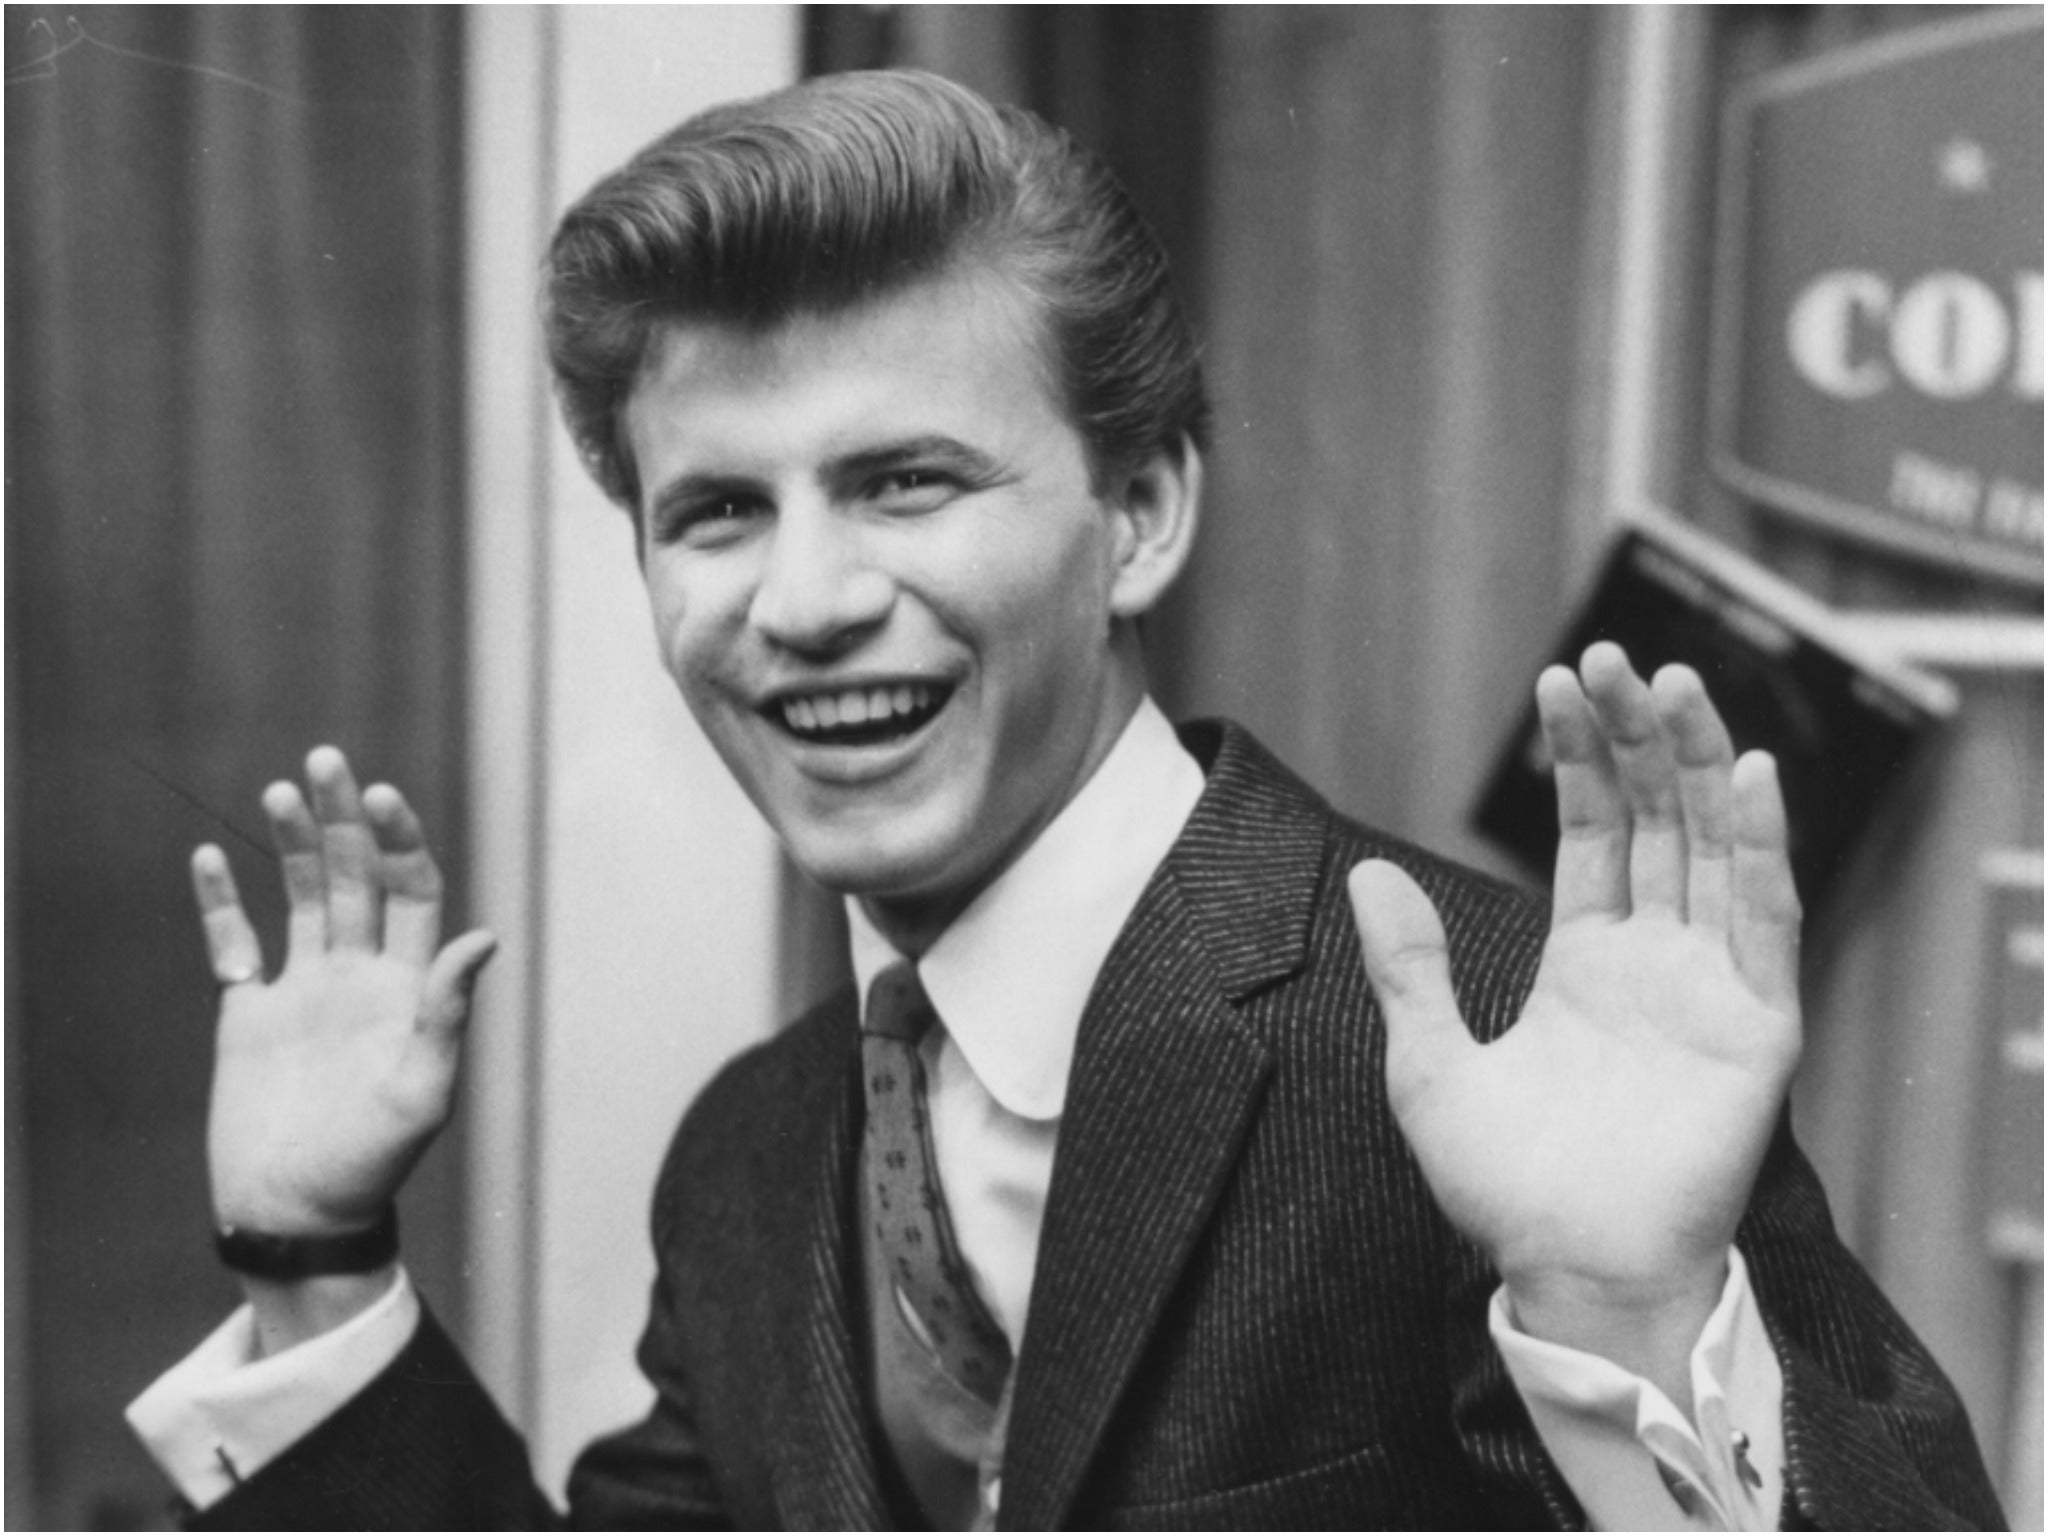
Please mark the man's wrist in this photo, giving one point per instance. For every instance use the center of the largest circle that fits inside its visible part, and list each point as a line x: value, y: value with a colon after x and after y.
x: 288, y: 1313
x: 1626, y: 1446
x: 1648, y: 1329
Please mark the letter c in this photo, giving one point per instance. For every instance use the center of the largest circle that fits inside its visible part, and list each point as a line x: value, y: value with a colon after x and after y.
x: 1820, y: 333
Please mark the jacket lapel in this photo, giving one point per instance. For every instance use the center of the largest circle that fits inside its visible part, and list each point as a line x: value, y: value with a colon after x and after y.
x: 828, y: 1477
x: 1166, y: 1083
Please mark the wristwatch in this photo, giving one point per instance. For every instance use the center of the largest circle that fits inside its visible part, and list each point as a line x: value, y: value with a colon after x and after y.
x: 282, y: 1256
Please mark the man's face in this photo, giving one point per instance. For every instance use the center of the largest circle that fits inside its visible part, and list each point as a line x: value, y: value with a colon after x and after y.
x: 883, y: 582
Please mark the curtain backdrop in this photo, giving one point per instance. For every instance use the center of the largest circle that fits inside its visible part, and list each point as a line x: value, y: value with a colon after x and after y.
x: 232, y: 533
x: 1396, y: 223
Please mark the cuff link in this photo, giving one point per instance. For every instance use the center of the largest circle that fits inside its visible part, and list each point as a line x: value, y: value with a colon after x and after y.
x: 1738, y: 1443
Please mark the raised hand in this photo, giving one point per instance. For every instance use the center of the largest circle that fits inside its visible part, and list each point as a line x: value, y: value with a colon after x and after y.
x: 330, y: 1080
x: 1603, y: 1150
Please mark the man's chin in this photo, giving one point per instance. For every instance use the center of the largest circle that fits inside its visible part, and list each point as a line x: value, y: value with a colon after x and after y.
x: 866, y: 876
x: 885, y: 874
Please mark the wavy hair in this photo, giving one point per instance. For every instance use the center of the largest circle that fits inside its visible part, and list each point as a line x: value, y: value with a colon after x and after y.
x: 848, y: 187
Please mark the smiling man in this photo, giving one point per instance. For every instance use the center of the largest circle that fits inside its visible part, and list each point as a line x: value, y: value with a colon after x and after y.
x: 888, y: 583
x: 1154, y: 1173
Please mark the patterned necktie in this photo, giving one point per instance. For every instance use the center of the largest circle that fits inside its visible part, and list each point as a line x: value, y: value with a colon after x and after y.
x: 931, y: 1281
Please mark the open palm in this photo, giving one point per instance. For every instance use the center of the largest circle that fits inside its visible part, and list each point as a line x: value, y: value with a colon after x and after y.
x: 1603, y: 1150
x: 330, y: 1080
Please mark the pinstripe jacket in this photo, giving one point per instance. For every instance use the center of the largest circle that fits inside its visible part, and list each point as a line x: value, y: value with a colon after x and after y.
x: 1248, y: 1311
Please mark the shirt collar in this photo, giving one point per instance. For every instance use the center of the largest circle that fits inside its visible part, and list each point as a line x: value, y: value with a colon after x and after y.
x: 1012, y: 973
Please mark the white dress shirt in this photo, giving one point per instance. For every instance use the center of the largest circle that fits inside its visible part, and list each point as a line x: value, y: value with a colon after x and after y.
x: 1009, y: 979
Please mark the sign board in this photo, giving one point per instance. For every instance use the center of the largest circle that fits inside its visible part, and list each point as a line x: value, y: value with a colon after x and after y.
x: 1877, y: 318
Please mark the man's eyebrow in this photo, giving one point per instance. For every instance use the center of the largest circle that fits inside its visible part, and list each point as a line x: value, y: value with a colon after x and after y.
x: 927, y: 449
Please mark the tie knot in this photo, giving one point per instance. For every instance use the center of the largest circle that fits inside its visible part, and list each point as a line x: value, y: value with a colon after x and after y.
x: 897, y: 1006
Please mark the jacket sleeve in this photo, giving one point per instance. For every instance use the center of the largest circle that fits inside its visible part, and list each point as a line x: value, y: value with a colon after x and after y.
x: 423, y: 1447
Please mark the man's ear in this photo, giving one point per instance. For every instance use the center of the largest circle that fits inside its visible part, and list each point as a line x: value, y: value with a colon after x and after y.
x: 1157, y: 507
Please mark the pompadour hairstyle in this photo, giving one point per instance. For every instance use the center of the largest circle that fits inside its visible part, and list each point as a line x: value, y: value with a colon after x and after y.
x: 848, y: 187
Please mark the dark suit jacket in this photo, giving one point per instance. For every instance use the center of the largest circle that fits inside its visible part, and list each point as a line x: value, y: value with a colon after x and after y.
x: 1248, y: 1311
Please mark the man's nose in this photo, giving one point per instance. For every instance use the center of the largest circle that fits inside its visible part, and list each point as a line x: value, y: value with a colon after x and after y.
x: 818, y: 592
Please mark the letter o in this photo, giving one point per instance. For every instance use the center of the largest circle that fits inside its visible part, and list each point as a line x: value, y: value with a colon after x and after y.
x: 1950, y: 335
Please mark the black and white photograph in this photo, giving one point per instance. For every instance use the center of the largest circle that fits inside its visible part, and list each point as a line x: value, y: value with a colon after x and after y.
x: 957, y: 767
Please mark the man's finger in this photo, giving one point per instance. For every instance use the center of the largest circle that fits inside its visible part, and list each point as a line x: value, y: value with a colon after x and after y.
x: 296, y: 836
x: 451, y: 982
x: 349, y: 850
x: 1408, y: 963
x: 1705, y: 758
x: 1649, y: 779
x: 232, y: 948
x: 1592, y: 819
x: 410, y: 877
x: 1764, y: 919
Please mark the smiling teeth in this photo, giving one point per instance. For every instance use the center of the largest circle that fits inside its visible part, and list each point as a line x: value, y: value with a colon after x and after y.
x: 855, y: 707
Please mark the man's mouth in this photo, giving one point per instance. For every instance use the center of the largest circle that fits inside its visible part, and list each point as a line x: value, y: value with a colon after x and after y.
x: 859, y: 717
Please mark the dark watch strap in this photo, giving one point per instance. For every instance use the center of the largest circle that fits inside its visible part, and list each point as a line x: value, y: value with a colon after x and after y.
x: 278, y: 1256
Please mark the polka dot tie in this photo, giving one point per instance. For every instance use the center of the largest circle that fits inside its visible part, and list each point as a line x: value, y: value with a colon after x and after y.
x: 909, y: 1212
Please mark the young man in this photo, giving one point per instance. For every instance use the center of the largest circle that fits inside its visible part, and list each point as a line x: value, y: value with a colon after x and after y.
x: 1119, y: 1194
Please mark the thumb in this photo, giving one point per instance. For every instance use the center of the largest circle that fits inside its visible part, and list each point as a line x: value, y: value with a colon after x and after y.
x: 451, y: 981
x: 1409, y: 965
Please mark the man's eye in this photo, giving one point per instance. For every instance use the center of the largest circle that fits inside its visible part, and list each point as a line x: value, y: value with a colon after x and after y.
x: 915, y: 488
x: 711, y: 521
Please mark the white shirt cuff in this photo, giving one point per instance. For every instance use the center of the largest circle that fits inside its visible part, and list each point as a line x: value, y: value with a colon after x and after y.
x: 221, y: 1414
x: 1635, y: 1461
